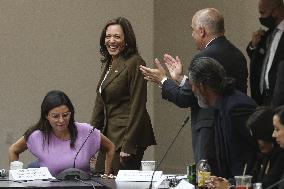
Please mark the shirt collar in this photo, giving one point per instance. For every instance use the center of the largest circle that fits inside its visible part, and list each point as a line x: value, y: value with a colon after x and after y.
x: 212, y: 40
x: 280, y: 26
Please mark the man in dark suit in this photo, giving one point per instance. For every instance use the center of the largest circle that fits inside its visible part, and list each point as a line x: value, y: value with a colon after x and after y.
x: 278, y: 95
x: 235, y: 146
x: 208, y: 32
x: 266, y: 50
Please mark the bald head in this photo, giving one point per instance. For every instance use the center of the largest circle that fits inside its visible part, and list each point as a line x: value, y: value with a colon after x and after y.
x: 211, y: 19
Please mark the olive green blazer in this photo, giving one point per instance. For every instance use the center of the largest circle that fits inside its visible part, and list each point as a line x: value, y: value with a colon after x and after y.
x: 120, y: 109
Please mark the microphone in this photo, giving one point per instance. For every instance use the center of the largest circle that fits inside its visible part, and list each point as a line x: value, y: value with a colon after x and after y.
x: 91, y: 131
x: 182, y: 125
x: 74, y: 173
x: 275, y: 184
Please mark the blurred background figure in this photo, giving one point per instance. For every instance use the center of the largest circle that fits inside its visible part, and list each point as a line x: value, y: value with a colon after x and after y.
x: 120, y: 107
x: 266, y: 50
x: 278, y: 134
x: 269, y: 165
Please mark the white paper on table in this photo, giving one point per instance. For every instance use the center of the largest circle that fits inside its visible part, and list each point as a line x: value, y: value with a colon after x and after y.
x: 184, y: 185
x: 159, y: 181
x: 30, y: 174
x: 138, y: 176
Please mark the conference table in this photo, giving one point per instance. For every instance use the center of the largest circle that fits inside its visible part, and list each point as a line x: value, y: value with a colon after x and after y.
x: 97, y: 182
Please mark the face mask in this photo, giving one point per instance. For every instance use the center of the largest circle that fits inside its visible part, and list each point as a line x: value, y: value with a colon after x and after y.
x: 268, y: 22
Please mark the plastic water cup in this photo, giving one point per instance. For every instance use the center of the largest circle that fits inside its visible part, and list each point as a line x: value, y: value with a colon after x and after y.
x: 16, y: 165
x: 243, y: 182
x: 148, y: 165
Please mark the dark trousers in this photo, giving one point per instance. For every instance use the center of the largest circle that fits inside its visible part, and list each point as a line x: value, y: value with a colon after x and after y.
x: 133, y: 162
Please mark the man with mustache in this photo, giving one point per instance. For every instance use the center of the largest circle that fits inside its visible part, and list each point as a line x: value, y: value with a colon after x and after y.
x: 235, y: 146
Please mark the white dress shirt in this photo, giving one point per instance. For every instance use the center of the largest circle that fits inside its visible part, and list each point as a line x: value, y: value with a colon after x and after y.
x: 272, y: 51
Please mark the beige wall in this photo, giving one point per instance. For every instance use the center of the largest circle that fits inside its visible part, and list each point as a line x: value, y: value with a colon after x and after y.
x: 53, y: 44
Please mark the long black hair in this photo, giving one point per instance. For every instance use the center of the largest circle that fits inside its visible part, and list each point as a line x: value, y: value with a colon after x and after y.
x: 129, y: 37
x: 279, y: 111
x: 52, y: 100
x: 261, y: 124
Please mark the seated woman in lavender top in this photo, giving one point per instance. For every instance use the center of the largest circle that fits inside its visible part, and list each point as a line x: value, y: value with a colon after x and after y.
x: 56, y: 138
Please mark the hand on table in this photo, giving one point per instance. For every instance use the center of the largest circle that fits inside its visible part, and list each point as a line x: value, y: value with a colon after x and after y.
x: 217, y: 183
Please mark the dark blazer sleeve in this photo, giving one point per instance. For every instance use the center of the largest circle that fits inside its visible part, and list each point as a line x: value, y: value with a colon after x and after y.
x: 249, y: 50
x: 256, y: 60
x: 243, y: 147
x: 276, y: 168
x: 278, y: 94
x: 281, y: 185
x: 180, y: 96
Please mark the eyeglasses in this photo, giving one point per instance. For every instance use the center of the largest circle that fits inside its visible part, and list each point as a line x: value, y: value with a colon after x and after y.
x: 57, y: 116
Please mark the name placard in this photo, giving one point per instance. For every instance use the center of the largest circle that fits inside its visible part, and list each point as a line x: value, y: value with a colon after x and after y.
x: 30, y: 174
x: 138, y: 176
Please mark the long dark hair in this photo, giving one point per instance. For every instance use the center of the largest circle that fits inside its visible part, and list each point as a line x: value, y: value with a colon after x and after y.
x: 52, y: 100
x: 261, y: 124
x: 129, y: 37
x: 279, y: 111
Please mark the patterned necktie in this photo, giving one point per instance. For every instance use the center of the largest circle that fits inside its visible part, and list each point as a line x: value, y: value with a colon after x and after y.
x: 265, y: 60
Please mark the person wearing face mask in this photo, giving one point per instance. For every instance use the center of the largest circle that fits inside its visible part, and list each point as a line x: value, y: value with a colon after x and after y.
x: 120, y: 107
x: 266, y: 51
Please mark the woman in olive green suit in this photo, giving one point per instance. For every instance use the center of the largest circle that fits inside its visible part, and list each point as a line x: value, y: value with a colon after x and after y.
x: 120, y: 107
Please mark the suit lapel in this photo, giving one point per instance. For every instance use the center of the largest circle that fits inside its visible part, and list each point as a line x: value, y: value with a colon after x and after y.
x: 278, y: 51
x: 103, y: 71
x: 116, y: 69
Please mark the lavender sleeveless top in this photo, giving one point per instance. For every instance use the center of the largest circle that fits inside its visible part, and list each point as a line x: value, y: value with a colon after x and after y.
x: 58, y: 156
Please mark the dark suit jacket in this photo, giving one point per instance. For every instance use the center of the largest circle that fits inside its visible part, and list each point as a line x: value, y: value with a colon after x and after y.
x: 234, y: 143
x: 235, y: 65
x: 269, y: 167
x: 120, y: 109
x: 278, y: 94
x: 281, y: 185
x: 256, y: 61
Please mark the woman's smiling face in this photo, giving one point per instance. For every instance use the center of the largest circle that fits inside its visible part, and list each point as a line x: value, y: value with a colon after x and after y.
x: 114, y: 40
x: 59, y: 118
